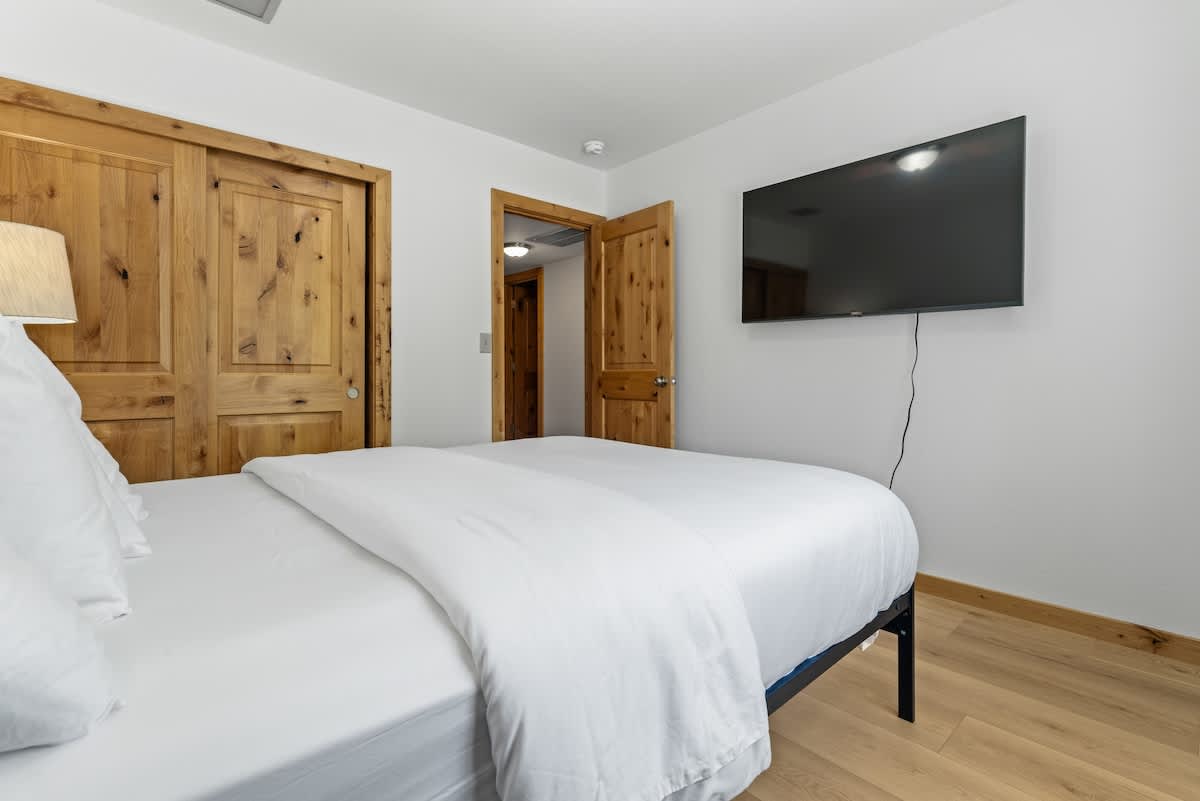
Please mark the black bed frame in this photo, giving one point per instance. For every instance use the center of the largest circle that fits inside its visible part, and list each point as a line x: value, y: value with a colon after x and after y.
x: 897, y: 619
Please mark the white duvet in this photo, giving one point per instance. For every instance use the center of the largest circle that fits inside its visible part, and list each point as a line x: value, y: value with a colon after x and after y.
x: 612, y: 646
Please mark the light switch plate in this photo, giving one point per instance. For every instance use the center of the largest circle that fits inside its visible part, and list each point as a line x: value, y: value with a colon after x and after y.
x: 485, y: 343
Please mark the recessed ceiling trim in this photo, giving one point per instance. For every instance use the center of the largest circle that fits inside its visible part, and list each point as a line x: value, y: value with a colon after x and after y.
x: 261, y: 10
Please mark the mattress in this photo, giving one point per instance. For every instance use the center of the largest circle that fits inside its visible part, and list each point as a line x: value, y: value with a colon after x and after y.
x: 268, y: 657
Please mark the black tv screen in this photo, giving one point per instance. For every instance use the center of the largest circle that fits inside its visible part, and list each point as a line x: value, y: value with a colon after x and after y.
x: 932, y: 227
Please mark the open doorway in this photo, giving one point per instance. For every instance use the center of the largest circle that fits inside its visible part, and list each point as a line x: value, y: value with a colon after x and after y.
x: 604, y: 347
x: 554, y: 247
x: 544, y: 328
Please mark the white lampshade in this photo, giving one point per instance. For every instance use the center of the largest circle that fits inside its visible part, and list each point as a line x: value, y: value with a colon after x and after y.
x: 35, y: 279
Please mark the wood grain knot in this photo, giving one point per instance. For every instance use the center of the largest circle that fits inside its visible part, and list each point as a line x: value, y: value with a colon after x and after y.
x: 268, y: 288
x: 28, y: 98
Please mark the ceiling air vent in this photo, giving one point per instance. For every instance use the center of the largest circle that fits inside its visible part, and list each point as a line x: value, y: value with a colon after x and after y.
x: 261, y: 10
x: 563, y: 237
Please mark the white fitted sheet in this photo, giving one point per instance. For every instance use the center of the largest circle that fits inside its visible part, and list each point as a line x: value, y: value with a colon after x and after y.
x: 269, y: 658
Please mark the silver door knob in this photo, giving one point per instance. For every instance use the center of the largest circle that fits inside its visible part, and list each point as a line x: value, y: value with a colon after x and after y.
x: 662, y: 380
x: 352, y: 393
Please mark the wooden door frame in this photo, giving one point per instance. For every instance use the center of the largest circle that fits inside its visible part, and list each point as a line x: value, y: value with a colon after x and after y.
x: 378, y: 183
x: 535, y: 274
x: 507, y: 202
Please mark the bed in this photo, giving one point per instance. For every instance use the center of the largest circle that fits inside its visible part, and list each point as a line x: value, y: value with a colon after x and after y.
x: 269, y: 657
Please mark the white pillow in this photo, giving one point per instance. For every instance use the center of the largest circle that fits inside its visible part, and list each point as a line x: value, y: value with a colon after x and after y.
x: 52, y: 510
x: 125, y: 506
x: 55, y: 683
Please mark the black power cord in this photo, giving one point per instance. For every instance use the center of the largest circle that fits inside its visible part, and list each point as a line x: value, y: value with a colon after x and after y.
x: 912, y: 379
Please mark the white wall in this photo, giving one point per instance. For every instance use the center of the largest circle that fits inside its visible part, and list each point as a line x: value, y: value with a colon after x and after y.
x: 562, y: 319
x: 442, y: 173
x: 1054, y: 449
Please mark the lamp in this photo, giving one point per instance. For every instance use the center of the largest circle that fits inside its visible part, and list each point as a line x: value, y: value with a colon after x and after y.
x: 516, y: 249
x: 35, y: 279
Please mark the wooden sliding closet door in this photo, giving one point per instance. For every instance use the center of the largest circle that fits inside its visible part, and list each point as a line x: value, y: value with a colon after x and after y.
x: 131, y: 208
x: 288, y: 280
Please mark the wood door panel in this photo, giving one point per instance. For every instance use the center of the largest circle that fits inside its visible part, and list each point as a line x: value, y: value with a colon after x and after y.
x: 244, y: 393
x: 245, y: 437
x: 289, y: 253
x: 629, y: 308
x: 115, y: 215
x: 630, y: 420
x: 129, y: 206
x: 631, y: 329
x: 143, y: 448
x: 136, y: 397
x: 281, y: 297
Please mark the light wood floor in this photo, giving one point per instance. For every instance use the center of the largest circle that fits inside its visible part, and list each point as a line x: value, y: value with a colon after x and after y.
x: 1006, y: 711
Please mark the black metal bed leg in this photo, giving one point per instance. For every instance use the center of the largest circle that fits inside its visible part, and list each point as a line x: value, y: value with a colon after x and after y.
x: 905, y: 628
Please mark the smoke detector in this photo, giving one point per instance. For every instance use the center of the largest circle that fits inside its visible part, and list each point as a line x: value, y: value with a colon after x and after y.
x: 594, y: 147
x: 261, y: 10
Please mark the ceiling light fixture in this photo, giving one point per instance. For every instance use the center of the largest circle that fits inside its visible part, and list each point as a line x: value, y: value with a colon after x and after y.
x: 919, y: 159
x: 516, y: 249
x: 594, y: 147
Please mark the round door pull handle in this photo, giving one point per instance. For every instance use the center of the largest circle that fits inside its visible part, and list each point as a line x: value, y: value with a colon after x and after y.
x: 352, y: 393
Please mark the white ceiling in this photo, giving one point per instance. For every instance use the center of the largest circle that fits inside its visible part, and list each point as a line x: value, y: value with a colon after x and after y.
x: 639, y: 74
x: 519, y: 229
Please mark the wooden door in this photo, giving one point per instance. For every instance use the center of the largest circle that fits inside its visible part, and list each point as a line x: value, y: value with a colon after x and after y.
x: 288, y: 281
x: 631, y: 328
x: 524, y: 356
x: 129, y: 205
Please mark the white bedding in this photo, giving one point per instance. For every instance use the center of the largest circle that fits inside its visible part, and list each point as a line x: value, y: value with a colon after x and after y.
x: 610, y: 642
x: 817, y: 553
x: 268, y: 658
x: 241, y: 688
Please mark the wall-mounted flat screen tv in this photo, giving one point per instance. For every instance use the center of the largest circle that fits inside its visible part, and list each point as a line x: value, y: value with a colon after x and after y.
x: 932, y: 227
